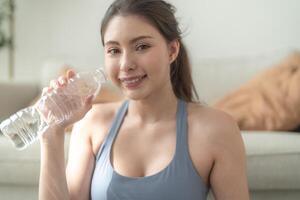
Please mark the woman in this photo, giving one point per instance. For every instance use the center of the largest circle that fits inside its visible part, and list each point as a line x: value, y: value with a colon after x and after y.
x: 158, y: 144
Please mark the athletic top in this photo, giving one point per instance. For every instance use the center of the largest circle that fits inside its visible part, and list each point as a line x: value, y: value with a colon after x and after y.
x: 179, y: 180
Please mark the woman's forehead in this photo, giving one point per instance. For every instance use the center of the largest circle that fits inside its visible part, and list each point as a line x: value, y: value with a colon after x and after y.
x: 129, y: 27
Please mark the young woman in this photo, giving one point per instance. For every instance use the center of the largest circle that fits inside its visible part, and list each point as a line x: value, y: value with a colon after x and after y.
x: 159, y: 143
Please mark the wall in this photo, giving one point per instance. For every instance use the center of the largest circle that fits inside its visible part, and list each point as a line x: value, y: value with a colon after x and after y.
x: 69, y: 30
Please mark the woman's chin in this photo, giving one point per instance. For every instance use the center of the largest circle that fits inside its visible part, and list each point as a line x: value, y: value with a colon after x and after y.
x: 134, y: 95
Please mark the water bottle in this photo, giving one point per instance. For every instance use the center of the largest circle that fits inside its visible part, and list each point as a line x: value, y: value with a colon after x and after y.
x: 25, y: 126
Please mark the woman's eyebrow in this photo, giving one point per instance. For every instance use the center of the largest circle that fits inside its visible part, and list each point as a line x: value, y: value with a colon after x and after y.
x: 134, y: 40
x: 112, y: 42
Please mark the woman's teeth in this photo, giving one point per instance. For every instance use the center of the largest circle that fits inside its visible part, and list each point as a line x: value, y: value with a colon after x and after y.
x: 133, y: 80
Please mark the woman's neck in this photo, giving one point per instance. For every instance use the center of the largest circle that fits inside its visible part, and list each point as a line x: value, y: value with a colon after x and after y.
x: 153, y: 109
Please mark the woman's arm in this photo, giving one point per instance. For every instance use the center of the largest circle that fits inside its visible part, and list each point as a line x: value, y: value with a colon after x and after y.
x: 73, y: 181
x: 228, y: 177
x: 53, y: 182
x: 81, y: 161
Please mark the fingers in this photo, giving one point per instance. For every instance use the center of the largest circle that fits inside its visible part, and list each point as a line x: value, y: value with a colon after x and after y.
x: 70, y: 73
x: 57, y: 84
x: 89, y: 100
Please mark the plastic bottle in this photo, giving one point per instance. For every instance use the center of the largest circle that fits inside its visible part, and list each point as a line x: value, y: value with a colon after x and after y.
x: 25, y: 126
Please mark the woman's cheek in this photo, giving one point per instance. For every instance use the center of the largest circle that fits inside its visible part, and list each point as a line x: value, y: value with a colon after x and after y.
x: 113, y: 73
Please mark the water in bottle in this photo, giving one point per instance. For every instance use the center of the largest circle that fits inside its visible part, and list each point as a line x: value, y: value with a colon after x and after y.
x: 25, y: 126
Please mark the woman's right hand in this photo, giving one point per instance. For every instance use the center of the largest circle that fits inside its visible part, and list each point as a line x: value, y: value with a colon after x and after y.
x: 78, y: 113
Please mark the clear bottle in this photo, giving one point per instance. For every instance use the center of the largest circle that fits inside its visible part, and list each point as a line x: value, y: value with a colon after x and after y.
x: 25, y: 126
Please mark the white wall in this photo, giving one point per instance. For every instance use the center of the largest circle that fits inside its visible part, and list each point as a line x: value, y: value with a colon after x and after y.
x: 69, y: 30
x: 219, y: 28
x: 63, y: 29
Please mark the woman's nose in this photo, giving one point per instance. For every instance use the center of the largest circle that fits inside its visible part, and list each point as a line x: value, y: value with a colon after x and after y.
x: 127, y: 62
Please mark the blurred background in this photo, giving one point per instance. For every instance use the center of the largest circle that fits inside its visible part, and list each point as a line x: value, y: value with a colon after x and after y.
x: 229, y: 41
x: 68, y: 30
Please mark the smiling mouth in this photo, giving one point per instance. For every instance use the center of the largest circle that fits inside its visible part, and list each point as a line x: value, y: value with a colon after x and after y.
x: 132, y: 82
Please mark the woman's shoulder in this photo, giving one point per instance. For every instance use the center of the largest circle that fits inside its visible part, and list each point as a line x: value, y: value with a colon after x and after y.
x: 103, y: 111
x: 215, y: 124
x: 99, y: 117
x: 96, y: 124
x: 210, y: 115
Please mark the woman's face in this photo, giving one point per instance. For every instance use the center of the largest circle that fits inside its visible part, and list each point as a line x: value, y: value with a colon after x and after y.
x: 137, y: 57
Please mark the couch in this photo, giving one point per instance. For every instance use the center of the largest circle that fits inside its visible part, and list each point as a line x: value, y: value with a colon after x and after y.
x: 273, y: 158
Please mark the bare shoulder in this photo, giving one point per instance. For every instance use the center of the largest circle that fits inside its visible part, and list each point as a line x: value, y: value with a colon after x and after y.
x: 216, y: 120
x: 103, y: 113
x: 99, y: 115
x: 96, y: 123
x: 215, y: 126
x: 218, y: 152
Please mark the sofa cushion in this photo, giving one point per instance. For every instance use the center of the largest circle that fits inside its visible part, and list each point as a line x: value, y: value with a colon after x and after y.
x: 15, y: 96
x: 20, y: 167
x: 270, y: 101
x: 273, y: 159
x: 215, y: 77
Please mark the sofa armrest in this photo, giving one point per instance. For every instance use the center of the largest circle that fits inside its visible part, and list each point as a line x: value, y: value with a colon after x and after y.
x: 15, y: 96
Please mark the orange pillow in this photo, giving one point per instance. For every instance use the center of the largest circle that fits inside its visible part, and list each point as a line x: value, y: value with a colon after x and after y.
x: 270, y: 101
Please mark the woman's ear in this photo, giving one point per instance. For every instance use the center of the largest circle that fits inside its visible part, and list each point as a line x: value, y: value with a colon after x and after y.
x: 174, y: 47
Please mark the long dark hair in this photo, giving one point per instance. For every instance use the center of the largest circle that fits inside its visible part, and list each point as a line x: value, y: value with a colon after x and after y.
x: 162, y: 16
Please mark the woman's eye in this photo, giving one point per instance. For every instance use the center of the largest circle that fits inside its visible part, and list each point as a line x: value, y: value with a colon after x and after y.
x: 113, y: 51
x: 142, y: 47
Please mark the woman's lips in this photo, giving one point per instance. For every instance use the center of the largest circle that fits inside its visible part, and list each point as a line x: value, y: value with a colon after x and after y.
x: 132, y: 82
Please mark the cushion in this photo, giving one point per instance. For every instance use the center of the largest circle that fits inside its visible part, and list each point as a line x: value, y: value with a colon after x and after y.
x: 15, y: 96
x: 273, y: 160
x: 21, y: 167
x: 215, y: 77
x: 270, y: 101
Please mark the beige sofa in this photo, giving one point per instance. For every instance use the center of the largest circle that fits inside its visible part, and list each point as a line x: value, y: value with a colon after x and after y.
x: 273, y: 158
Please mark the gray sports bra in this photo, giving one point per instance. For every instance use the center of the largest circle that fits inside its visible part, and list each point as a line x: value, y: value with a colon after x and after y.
x: 178, y: 181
